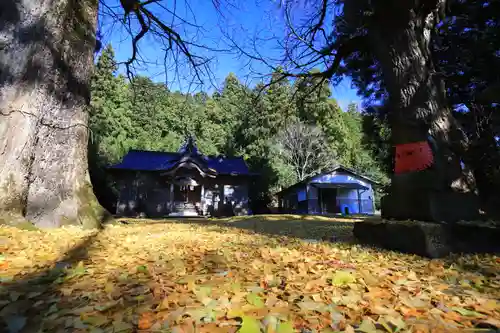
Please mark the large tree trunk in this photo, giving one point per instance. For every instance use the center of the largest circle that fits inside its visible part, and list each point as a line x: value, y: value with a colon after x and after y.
x: 484, y: 155
x: 438, y: 189
x: 46, y: 53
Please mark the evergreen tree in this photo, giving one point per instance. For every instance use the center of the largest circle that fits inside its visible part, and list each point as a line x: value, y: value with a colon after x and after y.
x: 111, y: 125
x: 233, y: 102
x: 110, y: 110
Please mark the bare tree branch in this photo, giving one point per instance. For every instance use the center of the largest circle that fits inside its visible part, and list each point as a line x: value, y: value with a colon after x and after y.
x: 185, y: 58
x: 304, y: 148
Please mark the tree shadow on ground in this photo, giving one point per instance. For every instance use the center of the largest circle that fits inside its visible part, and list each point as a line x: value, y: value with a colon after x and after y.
x: 86, y: 290
x: 71, y: 293
x: 31, y: 299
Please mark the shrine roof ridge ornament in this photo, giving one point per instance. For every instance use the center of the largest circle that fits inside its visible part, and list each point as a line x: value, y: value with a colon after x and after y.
x: 189, y: 146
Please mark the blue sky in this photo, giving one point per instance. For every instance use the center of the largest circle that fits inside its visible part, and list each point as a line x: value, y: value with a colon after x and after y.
x: 255, y: 25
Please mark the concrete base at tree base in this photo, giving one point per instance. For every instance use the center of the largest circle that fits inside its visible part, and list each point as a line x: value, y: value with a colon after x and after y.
x: 429, y: 239
x: 430, y: 205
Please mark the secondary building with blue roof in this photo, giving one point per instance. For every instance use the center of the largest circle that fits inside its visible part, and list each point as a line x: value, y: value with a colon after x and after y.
x: 338, y: 190
x: 182, y: 183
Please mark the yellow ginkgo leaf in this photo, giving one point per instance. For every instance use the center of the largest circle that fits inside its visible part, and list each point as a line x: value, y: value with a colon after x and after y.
x: 249, y: 325
x: 285, y: 327
x: 342, y: 278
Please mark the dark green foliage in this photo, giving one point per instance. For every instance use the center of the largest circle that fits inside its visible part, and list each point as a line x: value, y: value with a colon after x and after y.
x: 235, y: 121
x: 466, y: 49
x: 465, y: 53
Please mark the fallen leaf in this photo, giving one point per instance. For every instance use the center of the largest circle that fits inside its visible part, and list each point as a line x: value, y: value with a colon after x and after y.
x: 234, y: 313
x: 109, y: 288
x: 381, y: 321
x: 421, y: 328
x: 270, y: 323
x: 120, y: 326
x: 487, y: 306
x: 95, y: 320
x: 34, y: 294
x: 78, y: 324
x: 142, y: 269
x: 467, y: 313
x: 145, y: 320
x: 367, y: 326
x: 491, y: 322
x: 312, y: 306
x: 410, y: 312
x: 380, y: 309
x: 342, y: 278
x: 368, y: 278
x: 349, y: 329
x: 398, y: 322
x: 285, y: 327
x: 211, y: 328
x: 271, y: 300
x: 106, y: 306
x: 235, y: 287
x: 451, y: 315
x: 202, y: 315
x: 79, y: 269
x: 412, y: 276
x: 249, y: 325
x: 202, y: 292
x: 313, y: 284
x: 15, y: 323
x: 414, y: 302
x: 14, y: 296
x: 255, y: 300
x: 123, y: 277
x: 15, y: 308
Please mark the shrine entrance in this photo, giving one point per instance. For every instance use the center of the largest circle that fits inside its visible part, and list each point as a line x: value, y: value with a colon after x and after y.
x: 187, y: 193
x: 186, y: 197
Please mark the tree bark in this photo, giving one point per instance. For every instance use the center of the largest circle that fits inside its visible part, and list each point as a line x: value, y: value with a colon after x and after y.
x: 46, y: 57
x: 419, y: 109
x: 484, y: 155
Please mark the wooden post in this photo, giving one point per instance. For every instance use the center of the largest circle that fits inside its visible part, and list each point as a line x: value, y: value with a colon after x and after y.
x: 202, y: 199
x: 171, y: 197
x: 372, y: 192
x: 359, y: 201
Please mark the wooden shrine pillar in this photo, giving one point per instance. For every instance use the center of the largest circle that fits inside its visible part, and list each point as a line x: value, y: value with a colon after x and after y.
x: 171, y: 197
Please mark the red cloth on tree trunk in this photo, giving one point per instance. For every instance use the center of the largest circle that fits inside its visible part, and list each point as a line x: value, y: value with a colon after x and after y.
x: 414, y: 156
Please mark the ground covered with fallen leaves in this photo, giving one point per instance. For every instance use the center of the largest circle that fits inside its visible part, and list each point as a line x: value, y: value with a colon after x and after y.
x: 263, y: 274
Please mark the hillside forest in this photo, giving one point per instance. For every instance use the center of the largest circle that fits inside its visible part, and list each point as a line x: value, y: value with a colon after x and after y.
x: 258, y: 123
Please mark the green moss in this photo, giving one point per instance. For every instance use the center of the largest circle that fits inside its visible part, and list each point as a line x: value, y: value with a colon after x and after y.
x: 66, y: 221
x: 13, y: 203
x: 91, y: 214
x: 17, y: 221
x: 26, y: 225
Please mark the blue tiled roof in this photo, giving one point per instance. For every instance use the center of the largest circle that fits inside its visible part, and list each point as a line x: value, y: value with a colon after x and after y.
x: 228, y: 165
x: 155, y: 161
